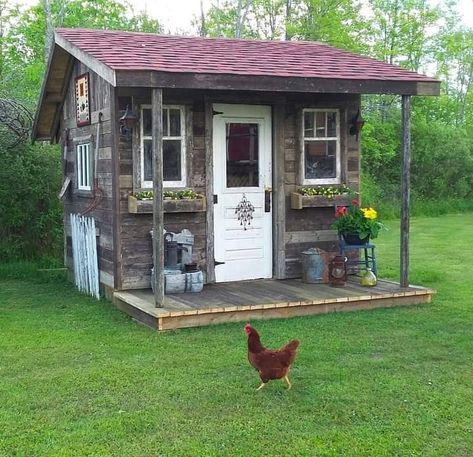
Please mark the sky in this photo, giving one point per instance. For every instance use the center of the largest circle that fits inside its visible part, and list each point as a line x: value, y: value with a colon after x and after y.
x: 176, y: 15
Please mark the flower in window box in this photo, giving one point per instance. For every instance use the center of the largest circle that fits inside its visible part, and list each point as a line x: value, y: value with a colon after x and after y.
x: 326, y: 191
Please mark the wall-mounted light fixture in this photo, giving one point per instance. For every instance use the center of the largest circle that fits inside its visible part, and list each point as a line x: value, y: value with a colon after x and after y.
x: 128, y: 122
x: 357, y: 124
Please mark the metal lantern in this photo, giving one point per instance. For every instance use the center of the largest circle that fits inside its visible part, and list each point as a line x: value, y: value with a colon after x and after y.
x: 128, y: 121
x: 338, y: 271
x: 357, y: 124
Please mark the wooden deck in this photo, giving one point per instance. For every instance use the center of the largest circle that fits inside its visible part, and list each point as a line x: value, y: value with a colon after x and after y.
x: 263, y: 299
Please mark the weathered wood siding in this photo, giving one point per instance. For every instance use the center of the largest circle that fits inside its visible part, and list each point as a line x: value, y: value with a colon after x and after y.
x: 76, y: 201
x: 304, y: 228
x: 310, y: 227
x: 136, y: 247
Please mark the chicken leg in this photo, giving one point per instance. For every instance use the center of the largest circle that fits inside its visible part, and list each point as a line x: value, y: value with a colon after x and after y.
x: 261, y: 386
x: 289, y: 385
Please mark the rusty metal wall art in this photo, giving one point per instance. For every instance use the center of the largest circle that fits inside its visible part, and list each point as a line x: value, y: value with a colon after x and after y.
x: 244, y: 212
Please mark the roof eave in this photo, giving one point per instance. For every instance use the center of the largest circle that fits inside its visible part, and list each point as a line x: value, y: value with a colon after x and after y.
x: 34, y: 131
x: 46, y: 102
x: 209, y: 81
x: 104, y: 71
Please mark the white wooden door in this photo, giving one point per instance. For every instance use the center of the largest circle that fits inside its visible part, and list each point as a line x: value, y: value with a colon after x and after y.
x: 242, y: 192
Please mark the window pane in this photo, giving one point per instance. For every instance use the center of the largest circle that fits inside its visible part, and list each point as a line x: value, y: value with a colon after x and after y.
x: 85, y: 156
x: 165, y: 122
x: 332, y: 148
x: 175, y: 122
x: 242, y: 155
x: 172, y: 160
x: 309, y: 124
x: 320, y: 124
x: 331, y: 124
x: 318, y: 164
x: 148, y: 160
x: 146, y: 122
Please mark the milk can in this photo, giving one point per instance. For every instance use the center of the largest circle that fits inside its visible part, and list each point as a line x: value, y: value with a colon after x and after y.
x: 313, y: 266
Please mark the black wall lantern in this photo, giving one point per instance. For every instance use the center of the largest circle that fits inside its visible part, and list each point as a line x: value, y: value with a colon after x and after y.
x: 128, y: 122
x: 357, y: 124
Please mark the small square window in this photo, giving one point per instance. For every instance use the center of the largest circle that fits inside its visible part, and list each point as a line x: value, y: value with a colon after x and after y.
x: 173, y: 147
x: 321, y: 147
x: 84, y: 179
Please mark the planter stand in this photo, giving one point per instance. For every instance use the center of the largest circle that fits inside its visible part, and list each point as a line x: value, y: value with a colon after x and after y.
x: 368, y: 259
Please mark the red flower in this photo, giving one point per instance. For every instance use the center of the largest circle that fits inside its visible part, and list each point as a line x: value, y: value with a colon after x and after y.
x: 341, y: 211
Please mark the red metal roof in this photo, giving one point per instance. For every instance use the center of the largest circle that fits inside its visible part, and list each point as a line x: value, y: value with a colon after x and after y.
x: 180, y: 54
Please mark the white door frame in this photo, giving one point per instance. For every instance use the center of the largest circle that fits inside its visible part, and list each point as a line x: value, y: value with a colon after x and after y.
x: 247, y: 254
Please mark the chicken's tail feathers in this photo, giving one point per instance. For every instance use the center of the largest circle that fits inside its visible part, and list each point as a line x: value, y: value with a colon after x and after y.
x: 293, y: 345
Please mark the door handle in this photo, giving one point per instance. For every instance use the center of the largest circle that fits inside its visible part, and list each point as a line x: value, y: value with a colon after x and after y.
x: 267, y: 201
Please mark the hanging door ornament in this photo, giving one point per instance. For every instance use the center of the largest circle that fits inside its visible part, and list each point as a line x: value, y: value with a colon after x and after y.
x: 244, y: 212
x: 82, y: 100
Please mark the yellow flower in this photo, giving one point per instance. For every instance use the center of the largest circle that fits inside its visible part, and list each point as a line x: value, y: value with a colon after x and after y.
x: 369, y: 213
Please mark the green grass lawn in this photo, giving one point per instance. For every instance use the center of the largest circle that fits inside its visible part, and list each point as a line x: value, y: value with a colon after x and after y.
x: 79, y: 378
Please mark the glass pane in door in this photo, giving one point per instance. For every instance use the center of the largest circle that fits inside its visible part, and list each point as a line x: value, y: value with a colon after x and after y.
x: 242, y: 155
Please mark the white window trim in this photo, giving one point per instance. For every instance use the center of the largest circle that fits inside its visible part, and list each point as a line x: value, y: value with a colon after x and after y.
x: 338, y: 167
x: 182, y: 182
x: 84, y: 178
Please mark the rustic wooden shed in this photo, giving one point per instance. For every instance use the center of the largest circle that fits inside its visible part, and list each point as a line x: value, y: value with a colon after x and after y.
x: 245, y: 124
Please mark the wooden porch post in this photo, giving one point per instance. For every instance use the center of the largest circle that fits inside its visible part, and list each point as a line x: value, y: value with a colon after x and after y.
x: 279, y: 194
x: 405, y: 188
x: 209, y: 185
x: 158, y: 217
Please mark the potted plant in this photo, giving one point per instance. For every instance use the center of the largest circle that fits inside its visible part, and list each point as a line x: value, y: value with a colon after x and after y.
x: 355, y: 224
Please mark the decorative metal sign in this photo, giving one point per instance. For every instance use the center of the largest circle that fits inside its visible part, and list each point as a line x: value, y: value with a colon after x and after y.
x: 82, y: 100
x: 244, y: 212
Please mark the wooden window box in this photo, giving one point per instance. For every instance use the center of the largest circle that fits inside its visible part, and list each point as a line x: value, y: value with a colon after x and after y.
x: 136, y: 206
x: 299, y: 201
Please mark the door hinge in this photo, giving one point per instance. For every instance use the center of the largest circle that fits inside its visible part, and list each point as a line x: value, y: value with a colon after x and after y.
x: 215, y: 199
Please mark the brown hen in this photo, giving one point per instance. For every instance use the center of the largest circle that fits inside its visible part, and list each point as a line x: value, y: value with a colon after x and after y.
x: 270, y: 364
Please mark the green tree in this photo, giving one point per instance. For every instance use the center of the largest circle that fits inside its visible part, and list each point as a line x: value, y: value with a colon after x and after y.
x: 335, y: 22
x: 26, y: 45
x: 30, y: 176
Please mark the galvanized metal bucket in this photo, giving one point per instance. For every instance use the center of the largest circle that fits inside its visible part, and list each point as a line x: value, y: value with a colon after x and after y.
x: 313, y: 266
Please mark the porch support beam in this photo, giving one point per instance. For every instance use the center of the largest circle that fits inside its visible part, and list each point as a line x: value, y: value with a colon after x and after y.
x: 209, y: 185
x: 279, y: 195
x: 158, y: 215
x: 405, y: 189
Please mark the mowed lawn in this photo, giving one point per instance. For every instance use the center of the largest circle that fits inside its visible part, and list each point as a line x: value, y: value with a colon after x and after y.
x: 79, y: 378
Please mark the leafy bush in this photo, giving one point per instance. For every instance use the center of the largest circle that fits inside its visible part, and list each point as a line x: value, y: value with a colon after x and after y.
x: 441, y: 166
x: 30, y: 211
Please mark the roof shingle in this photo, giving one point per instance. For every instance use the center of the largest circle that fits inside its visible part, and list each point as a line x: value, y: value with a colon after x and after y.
x: 180, y: 54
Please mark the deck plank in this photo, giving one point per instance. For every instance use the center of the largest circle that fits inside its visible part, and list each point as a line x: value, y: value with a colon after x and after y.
x: 263, y: 299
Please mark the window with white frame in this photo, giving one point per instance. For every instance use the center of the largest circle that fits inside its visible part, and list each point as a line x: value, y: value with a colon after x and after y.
x: 84, y: 178
x: 174, y: 154
x: 321, y: 140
